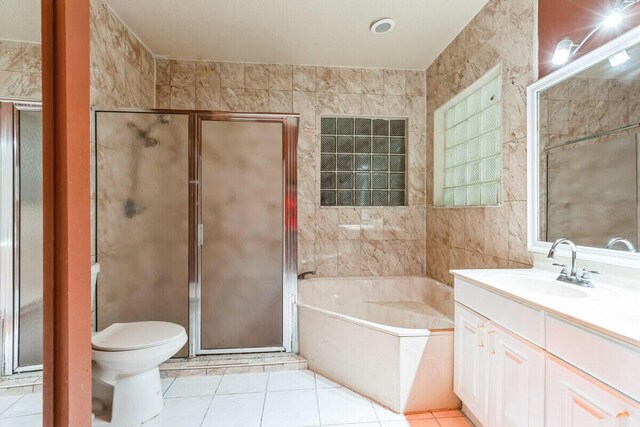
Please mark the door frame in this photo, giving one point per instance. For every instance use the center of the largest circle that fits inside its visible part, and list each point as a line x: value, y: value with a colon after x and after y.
x: 10, y: 231
x: 289, y: 124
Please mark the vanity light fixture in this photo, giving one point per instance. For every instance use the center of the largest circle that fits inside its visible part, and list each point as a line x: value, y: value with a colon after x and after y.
x: 566, y: 47
x: 382, y: 25
x: 619, y: 58
x: 614, y: 18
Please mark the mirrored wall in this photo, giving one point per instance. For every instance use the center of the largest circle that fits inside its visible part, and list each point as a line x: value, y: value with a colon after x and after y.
x: 589, y: 154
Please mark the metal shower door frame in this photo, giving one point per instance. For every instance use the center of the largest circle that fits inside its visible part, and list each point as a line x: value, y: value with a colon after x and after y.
x: 10, y: 232
x: 289, y: 124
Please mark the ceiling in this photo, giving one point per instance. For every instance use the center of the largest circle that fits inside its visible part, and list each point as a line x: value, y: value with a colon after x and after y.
x: 313, y: 32
x: 20, y: 20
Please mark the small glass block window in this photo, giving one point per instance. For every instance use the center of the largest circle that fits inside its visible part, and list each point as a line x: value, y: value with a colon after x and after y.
x: 472, y: 148
x: 363, y: 161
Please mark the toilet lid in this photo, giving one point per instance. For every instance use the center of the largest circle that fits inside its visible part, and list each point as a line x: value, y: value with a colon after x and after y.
x: 136, y: 335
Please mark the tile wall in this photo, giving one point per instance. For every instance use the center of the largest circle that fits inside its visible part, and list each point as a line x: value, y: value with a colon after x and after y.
x: 122, y: 69
x: 20, y: 65
x: 502, y: 33
x: 333, y: 241
x: 122, y: 74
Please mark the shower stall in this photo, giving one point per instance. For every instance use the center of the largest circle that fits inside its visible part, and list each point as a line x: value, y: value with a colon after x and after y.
x: 21, y: 236
x: 196, y: 225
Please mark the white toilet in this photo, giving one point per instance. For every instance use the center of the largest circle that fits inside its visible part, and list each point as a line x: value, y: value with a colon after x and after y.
x: 126, y: 356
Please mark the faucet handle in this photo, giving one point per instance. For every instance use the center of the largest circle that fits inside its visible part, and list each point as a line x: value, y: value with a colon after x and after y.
x: 587, y: 272
x: 564, y: 271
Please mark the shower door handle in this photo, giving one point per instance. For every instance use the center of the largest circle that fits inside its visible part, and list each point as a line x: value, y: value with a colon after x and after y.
x: 200, y: 234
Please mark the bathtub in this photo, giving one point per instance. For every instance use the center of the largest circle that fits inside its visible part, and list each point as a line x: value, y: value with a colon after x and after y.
x: 390, y: 338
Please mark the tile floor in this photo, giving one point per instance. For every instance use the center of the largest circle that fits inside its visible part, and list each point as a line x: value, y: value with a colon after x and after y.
x: 268, y: 399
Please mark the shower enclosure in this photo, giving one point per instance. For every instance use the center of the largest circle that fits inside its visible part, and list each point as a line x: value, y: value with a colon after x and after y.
x: 196, y: 225
x: 21, y: 236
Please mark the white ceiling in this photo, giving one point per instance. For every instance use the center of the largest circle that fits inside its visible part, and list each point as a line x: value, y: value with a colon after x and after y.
x: 20, y: 20
x: 313, y: 32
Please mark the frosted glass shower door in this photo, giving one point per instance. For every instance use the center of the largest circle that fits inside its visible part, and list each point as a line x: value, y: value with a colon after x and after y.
x: 30, y: 239
x: 143, y: 216
x: 242, y: 171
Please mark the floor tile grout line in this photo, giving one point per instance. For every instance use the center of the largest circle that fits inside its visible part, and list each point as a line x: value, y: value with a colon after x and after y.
x: 215, y: 392
x: 12, y: 405
x: 315, y: 382
x: 264, y: 401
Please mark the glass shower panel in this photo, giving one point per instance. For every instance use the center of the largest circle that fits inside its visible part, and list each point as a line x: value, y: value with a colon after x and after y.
x: 242, y: 252
x: 30, y: 242
x: 142, y: 217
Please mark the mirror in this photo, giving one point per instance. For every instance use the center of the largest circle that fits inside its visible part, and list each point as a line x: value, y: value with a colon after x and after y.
x: 585, y: 146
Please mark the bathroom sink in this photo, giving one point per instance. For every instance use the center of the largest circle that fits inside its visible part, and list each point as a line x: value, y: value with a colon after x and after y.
x: 534, y: 282
x: 553, y: 289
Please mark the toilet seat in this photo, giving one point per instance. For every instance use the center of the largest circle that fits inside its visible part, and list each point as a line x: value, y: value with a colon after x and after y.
x: 121, y: 337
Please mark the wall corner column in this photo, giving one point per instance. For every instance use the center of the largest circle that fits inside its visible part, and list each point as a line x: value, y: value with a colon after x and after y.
x: 67, y: 251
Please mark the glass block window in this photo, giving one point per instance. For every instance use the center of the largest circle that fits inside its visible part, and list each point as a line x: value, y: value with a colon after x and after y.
x: 363, y: 161
x: 472, y: 148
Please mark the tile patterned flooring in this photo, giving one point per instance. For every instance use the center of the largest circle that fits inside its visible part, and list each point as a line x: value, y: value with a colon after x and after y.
x: 264, y: 399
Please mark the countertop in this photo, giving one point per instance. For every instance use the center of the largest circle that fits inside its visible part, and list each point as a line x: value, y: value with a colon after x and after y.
x: 611, y: 311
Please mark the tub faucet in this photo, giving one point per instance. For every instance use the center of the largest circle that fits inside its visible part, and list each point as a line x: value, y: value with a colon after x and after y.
x: 616, y: 240
x: 304, y: 274
x: 571, y: 277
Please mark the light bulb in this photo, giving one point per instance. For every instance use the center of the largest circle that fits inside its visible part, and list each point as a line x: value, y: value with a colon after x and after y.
x: 614, y: 18
x: 563, y: 51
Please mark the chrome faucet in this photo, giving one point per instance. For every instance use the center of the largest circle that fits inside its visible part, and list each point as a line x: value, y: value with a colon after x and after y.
x: 304, y: 274
x: 616, y: 240
x: 571, y: 277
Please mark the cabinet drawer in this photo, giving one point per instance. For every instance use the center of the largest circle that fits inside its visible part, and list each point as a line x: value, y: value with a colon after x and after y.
x: 612, y: 362
x: 518, y: 318
x: 574, y: 399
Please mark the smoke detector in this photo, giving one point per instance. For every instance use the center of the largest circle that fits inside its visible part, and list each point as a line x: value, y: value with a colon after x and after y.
x: 382, y: 25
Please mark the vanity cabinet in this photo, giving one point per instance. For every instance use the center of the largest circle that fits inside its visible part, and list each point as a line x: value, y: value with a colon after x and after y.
x: 575, y: 399
x: 516, y: 378
x: 498, y: 375
x: 520, y: 366
x: 471, y: 361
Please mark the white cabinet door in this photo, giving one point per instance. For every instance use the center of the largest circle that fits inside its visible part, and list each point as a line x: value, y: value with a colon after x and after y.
x: 574, y: 399
x: 516, y: 372
x: 470, y: 361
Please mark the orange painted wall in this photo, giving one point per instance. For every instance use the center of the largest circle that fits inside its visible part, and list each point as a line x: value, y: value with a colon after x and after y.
x: 67, y: 249
x: 558, y: 19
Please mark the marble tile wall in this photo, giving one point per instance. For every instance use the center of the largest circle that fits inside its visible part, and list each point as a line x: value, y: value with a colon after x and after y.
x: 20, y: 70
x: 333, y: 241
x: 502, y: 33
x: 122, y: 74
x: 122, y: 68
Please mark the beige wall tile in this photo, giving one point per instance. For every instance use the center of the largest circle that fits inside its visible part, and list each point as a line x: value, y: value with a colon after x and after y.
x: 372, y: 81
x: 304, y: 78
x: 280, y: 77
x: 394, y: 82
x: 256, y: 76
x: 232, y: 75
x: 208, y: 74
x: 502, y: 33
x: 312, y: 92
x: 415, y: 82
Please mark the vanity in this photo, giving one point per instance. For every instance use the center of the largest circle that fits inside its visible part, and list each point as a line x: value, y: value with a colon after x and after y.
x: 532, y: 350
